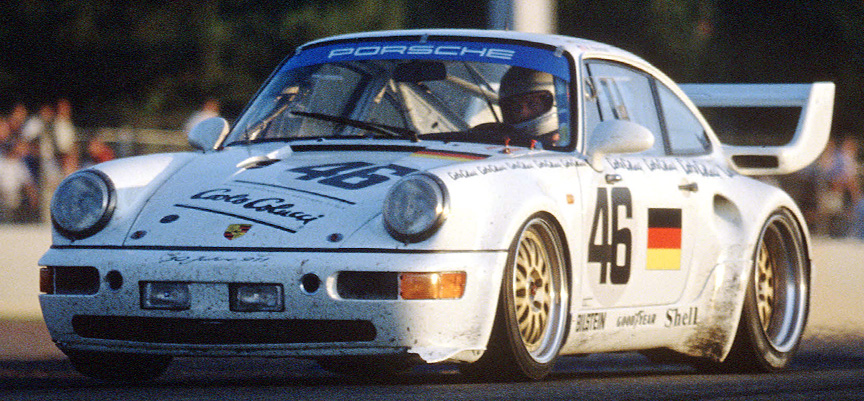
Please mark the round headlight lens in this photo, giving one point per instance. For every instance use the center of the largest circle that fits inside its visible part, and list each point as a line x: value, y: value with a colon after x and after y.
x: 415, y: 207
x: 82, y: 204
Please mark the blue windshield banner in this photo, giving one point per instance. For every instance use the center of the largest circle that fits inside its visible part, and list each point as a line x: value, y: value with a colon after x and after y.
x: 485, y: 52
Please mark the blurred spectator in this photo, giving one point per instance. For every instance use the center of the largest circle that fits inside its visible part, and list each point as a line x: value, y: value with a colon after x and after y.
x: 16, y: 119
x: 19, y: 198
x: 803, y: 187
x: 839, y: 188
x: 5, y: 133
x: 828, y: 202
x: 97, y: 152
x: 65, y: 136
x: 39, y: 131
x: 31, y: 158
x: 210, y: 108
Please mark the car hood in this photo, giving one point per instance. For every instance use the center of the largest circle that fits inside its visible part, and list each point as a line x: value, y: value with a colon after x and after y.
x: 304, y: 196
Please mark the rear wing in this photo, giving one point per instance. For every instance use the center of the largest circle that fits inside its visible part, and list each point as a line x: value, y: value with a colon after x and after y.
x: 814, y: 125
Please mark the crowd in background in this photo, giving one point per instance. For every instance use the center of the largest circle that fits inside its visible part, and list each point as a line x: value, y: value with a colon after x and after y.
x: 36, y: 151
x: 829, y: 191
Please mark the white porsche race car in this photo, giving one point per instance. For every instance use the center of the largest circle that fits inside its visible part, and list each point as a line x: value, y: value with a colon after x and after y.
x: 494, y: 199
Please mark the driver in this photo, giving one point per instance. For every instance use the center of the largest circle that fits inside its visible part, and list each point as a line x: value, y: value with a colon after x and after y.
x: 527, y: 103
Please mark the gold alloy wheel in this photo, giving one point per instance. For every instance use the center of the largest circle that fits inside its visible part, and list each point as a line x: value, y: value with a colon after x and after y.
x: 536, y: 286
x: 780, y: 283
x: 531, y: 319
x: 765, y: 288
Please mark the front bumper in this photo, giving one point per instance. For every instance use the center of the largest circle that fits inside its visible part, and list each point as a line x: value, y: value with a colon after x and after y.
x: 312, y: 324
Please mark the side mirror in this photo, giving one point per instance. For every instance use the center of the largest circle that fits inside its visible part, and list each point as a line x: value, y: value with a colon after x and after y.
x: 617, y: 136
x: 209, y: 134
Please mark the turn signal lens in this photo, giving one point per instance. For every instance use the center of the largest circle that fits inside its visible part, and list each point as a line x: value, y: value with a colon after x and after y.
x: 46, y: 280
x: 448, y: 285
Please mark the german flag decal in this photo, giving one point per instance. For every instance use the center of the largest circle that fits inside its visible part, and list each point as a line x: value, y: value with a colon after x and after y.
x: 664, y: 239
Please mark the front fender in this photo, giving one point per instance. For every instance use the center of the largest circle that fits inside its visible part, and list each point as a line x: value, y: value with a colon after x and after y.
x: 135, y: 179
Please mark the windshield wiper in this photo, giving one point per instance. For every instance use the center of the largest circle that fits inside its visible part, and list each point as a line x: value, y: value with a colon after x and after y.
x: 383, y: 129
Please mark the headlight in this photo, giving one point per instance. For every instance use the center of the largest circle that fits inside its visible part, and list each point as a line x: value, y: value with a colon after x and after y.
x: 415, y: 207
x: 82, y: 204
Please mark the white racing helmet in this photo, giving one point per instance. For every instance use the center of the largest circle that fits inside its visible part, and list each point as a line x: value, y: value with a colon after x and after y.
x: 527, y: 100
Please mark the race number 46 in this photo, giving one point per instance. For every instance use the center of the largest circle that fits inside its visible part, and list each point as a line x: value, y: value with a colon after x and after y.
x: 610, y: 243
x: 351, y: 175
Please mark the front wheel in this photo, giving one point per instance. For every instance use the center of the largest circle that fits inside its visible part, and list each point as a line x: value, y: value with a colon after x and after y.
x: 776, y: 302
x: 531, y: 318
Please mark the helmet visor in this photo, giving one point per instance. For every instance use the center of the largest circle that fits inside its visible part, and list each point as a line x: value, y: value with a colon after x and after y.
x: 526, y: 106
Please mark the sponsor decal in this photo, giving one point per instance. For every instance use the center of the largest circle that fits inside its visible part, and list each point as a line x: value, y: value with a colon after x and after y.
x: 445, y: 155
x: 184, y: 259
x: 236, y: 230
x: 660, y: 164
x: 626, y: 164
x: 676, y: 317
x: 704, y: 169
x: 590, y: 321
x: 491, y: 169
x: 664, y: 239
x: 289, y: 217
x: 271, y: 205
x: 637, y: 319
x: 521, y: 165
x: 515, y: 165
x: 541, y: 59
x: 453, y: 50
x: 460, y: 174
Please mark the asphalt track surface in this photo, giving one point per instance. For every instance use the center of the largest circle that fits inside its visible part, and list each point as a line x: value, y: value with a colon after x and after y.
x: 829, y: 365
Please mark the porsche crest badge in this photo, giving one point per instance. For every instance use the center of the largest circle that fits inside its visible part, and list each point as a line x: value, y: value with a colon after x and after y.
x: 236, y: 230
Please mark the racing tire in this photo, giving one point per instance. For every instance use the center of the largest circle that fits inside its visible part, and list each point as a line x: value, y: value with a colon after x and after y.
x: 532, y: 315
x: 776, y: 303
x: 110, y: 366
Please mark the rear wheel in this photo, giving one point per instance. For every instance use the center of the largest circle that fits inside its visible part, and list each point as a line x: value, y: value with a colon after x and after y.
x: 776, y: 304
x: 119, y: 367
x: 531, y: 320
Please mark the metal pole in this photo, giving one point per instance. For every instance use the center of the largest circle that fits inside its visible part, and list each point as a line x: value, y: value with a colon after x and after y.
x: 536, y: 16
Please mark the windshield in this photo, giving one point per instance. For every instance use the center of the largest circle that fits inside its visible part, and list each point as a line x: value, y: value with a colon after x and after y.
x: 452, y: 91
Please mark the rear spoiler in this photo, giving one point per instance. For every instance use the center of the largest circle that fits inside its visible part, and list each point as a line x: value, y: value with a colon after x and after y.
x: 814, y: 125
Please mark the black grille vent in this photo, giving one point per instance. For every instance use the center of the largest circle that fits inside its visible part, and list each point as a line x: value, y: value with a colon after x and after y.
x: 756, y: 161
x: 77, y: 280
x: 222, y: 331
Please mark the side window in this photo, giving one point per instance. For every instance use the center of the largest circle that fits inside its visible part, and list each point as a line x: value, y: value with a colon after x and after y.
x: 591, y: 106
x: 625, y: 94
x: 686, y: 134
